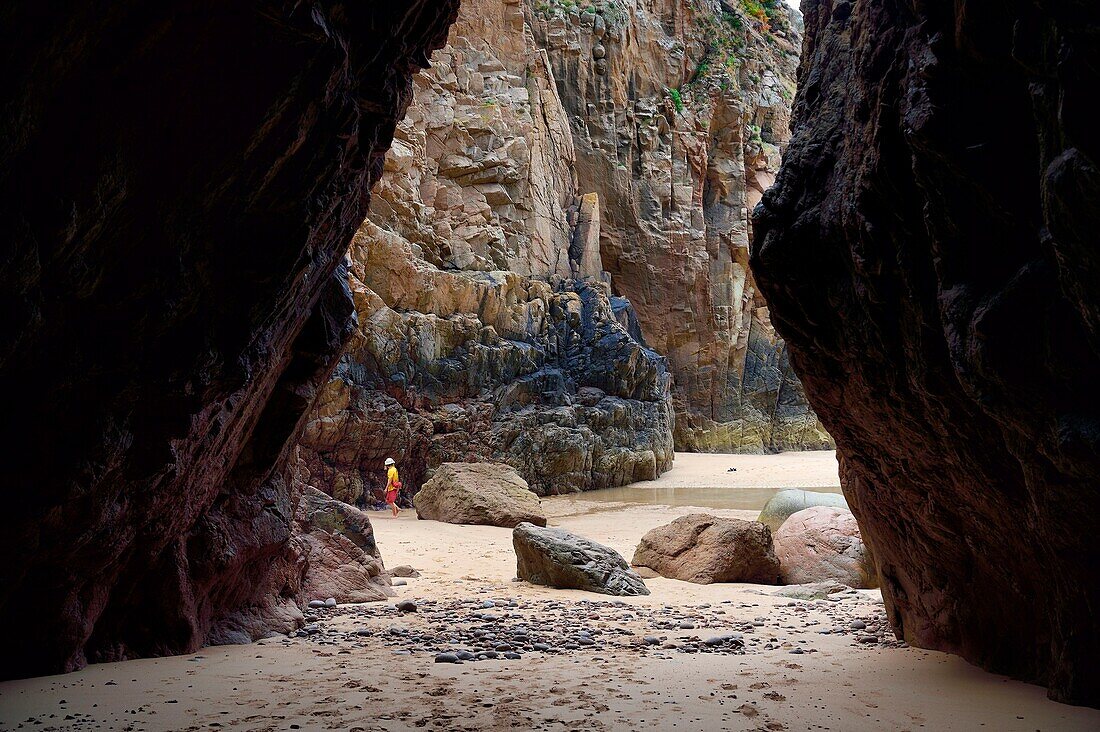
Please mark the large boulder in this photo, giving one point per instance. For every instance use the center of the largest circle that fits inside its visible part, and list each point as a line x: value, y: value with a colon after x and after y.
x: 792, y: 500
x: 558, y: 558
x: 704, y: 549
x: 478, y: 493
x: 341, y: 559
x: 822, y: 543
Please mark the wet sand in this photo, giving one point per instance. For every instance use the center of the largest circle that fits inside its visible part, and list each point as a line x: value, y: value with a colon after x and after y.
x: 788, y: 676
x: 705, y: 480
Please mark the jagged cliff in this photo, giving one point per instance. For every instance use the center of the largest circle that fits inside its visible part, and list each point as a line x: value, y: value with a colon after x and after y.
x: 486, y: 325
x: 678, y: 111
x: 557, y: 156
x: 930, y: 253
x: 177, y: 190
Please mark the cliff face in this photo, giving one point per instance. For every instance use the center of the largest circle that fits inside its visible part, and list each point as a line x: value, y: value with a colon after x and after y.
x: 678, y: 111
x: 178, y: 188
x: 543, y: 170
x: 486, y: 325
x: 930, y: 255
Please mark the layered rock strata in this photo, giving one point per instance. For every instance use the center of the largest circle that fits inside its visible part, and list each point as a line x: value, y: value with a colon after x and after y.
x: 177, y: 192
x: 930, y: 254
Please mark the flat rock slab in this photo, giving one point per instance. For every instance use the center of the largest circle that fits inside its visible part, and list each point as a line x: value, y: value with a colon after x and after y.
x: 558, y: 558
x: 489, y: 494
x: 703, y: 549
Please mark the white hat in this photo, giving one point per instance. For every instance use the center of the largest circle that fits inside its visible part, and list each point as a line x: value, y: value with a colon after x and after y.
x: 389, y: 461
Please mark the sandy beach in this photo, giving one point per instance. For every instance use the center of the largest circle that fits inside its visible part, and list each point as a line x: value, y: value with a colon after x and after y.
x: 804, y: 664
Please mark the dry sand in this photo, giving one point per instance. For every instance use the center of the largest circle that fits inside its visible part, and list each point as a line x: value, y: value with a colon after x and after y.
x: 337, y: 680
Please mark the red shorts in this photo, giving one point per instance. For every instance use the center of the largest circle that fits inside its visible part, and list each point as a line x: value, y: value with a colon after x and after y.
x: 391, y: 496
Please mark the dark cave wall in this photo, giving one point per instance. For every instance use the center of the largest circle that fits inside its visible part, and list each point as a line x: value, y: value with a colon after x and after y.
x: 178, y: 185
x: 930, y: 253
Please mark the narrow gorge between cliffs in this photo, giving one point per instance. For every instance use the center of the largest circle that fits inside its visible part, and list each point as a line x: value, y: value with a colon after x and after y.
x: 592, y: 364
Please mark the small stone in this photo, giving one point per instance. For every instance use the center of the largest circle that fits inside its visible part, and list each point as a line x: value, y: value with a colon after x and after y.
x: 447, y: 658
x: 315, y: 604
x: 331, y: 602
x: 652, y: 640
x: 512, y: 656
x: 406, y: 606
x: 857, y: 625
x: 686, y: 626
x: 399, y: 583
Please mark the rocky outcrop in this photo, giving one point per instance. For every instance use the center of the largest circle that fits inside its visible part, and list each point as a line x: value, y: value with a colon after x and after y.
x: 334, y: 546
x: 704, y: 549
x: 177, y: 194
x: 487, y: 329
x: 478, y: 493
x: 678, y: 112
x: 783, y: 504
x: 558, y: 558
x: 930, y: 255
x: 543, y: 172
x: 823, y: 544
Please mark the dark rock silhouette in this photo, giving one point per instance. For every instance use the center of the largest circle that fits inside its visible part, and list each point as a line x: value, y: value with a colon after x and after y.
x: 178, y: 187
x: 930, y: 254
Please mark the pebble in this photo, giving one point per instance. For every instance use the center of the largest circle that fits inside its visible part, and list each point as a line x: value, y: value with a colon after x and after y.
x: 857, y: 625
x: 331, y: 602
x: 399, y: 583
x: 447, y: 658
x: 406, y: 606
x: 316, y: 604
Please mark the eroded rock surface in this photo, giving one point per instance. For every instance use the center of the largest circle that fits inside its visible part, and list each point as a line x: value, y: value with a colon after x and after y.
x: 930, y: 254
x: 177, y: 193
x: 542, y: 184
x: 478, y: 493
x: 559, y: 558
x: 678, y: 111
x: 704, y: 549
x: 334, y: 546
x: 487, y: 329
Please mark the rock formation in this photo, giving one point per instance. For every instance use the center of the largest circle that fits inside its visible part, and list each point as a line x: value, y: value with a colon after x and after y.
x: 177, y: 192
x: 786, y: 502
x: 543, y: 170
x: 823, y: 544
x: 558, y: 558
x: 486, y: 326
x: 930, y: 255
x: 478, y: 493
x: 336, y: 543
x: 678, y: 111
x: 704, y: 549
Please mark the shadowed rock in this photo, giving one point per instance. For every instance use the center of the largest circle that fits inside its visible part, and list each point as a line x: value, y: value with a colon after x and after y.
x: 930, y: 254
x: 558, y: 558
x: 703, y: 549
x: 178, y: 188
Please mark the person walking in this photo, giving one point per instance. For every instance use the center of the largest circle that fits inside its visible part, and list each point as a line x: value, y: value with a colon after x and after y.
x: 393, y: 486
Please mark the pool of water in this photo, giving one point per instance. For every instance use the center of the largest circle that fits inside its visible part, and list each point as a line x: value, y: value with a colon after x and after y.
x: 726, y: 497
